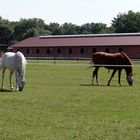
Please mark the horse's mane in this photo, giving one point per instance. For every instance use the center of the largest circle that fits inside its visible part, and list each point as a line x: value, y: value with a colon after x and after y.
x: 23, y: 60
x: 21, y: 56
x: 126, y: 56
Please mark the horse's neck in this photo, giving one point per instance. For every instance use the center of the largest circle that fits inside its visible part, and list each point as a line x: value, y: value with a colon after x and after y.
x: 22, y: 69
x: 21, y: 66
x: 128, y: 70
x: 128, y: 62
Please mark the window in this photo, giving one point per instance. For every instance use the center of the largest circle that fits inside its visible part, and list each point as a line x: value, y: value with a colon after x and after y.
x: 48, y: 51
x: 70, y: 51
x: 82, y: 51
x: 59, y: 50
x: 94, y: 50
x: 28, y: 51
x: 37, y: 51
x: 107, y: 50
x: 120, y: 49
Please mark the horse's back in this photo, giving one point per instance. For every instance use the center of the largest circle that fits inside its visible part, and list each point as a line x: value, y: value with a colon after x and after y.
x: 8, y: 60
x: 103, y: 57
x: 109, y: 58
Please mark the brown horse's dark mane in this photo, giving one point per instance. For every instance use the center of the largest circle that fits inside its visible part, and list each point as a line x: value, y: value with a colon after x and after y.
x: 128, y: 69
x: 125, y: 55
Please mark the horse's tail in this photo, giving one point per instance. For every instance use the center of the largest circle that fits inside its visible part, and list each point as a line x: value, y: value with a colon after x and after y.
x: 91, y: 64
x: 91, y: 61
x: 92, y: 58
x: 0, y: 62
x: 90, y: 67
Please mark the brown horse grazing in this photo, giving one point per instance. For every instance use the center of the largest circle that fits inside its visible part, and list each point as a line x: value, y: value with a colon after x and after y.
x: 114, y: 61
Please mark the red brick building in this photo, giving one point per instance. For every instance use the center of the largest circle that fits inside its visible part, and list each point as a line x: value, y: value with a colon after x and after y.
x: 79, y: 46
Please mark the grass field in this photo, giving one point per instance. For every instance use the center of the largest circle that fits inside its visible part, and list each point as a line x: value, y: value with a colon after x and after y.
x: 59, y: 103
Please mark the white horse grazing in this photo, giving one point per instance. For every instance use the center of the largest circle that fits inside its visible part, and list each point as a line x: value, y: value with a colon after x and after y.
x: 15, y: 62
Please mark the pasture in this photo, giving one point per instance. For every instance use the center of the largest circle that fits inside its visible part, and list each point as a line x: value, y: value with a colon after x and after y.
x: 59, y: 103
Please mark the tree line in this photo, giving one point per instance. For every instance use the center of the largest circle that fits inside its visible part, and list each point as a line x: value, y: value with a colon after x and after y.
x: 11, y: 32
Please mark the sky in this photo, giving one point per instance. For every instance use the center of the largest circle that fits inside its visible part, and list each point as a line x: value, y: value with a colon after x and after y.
x: 76, y: 12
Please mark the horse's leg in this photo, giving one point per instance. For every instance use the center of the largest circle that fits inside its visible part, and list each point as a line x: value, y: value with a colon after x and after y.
x: 2, y: 84
x: 95, y: 73
x: 119, y: 76
x: 16, y: 75
x: 97, y: 81
x: 10, y: 78
x: 113, y: 73
x: 93, y: 77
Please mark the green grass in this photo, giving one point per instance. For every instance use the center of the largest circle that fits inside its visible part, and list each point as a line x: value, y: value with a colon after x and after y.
x: 59, y: 103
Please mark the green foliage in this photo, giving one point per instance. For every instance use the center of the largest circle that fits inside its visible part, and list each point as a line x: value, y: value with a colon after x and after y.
x: 126, y: 23
x: 11, y: 32
x: 54, y: 28
x: 58, y: 102
x: 69, y: 29
x: 28, y: 28
x: 94, y: 28
x: 6, y: 32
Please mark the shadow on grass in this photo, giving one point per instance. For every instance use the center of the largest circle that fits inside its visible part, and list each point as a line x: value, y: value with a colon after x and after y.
x: 88, y: 85
x: 7, y: 90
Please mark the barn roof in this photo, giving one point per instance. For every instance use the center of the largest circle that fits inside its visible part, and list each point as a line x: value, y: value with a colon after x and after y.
x: 123, y: 39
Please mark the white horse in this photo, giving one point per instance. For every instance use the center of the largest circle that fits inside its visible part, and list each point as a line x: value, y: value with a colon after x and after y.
x: 15, y: 62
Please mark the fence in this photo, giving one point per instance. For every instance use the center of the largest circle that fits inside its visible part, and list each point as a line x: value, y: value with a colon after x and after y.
x: 76, y: 60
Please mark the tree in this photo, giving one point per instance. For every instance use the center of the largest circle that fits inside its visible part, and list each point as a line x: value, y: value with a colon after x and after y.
x: 25, y: 28
x: 29, y: 28
x: 64, y: 29
x: 69, y: 29
x: 85, y: 29
x: 126, y: 23
x: 54, y: 28
x: 94, y: 28
x: 98, y: 28
x: 6, y: 32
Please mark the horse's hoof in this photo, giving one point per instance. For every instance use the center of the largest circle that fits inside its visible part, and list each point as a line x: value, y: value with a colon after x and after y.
x: 98, y: 84
x: 2, y: 88
x: 12, y: 89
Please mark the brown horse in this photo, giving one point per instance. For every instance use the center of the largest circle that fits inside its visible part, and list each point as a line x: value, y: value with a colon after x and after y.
x: 114, y: 61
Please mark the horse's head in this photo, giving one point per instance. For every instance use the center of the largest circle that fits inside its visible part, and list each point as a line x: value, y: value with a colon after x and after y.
x: 130, y: 79
x: 21, y: 82
x: 21, y: 70
x: 128, y: 69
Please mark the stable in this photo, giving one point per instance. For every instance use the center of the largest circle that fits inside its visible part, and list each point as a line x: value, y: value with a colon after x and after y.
x: 79, y: 46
